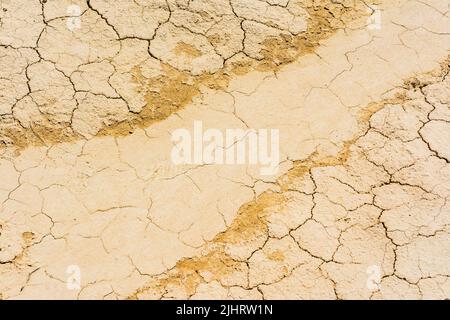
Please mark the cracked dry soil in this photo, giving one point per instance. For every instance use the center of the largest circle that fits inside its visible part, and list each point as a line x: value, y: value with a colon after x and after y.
x: 90, y: 91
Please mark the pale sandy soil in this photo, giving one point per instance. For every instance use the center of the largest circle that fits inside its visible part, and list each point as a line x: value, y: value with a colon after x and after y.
x: 89, y: 97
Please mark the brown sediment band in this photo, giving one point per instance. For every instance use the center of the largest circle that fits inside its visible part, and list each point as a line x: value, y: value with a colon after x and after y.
x: 173, y: 88
x: 252, y: 219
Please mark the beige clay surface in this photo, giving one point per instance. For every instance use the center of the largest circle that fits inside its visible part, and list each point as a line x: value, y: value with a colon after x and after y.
x: 93, y: 207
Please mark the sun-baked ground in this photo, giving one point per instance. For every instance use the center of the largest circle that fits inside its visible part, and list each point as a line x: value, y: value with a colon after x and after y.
x: 90, y: 92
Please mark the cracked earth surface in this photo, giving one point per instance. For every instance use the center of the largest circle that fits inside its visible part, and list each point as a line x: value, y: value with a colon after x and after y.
x: 86, y: 116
